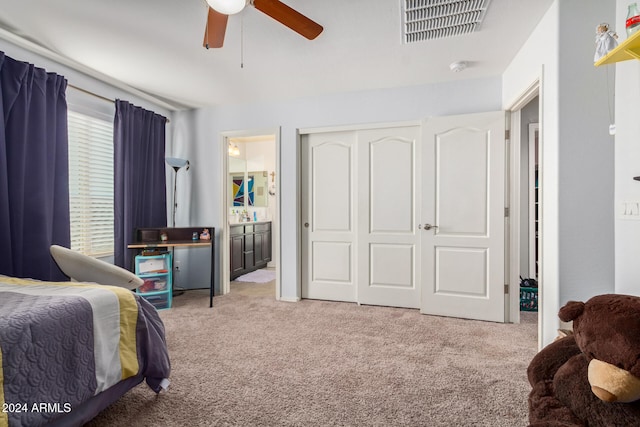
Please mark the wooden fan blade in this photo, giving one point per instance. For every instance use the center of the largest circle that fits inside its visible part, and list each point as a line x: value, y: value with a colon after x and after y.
x: 215, y: 29
x: 289, y: 17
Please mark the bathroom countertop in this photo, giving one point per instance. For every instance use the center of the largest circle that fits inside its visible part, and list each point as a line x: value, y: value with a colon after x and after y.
x: 249, y: 222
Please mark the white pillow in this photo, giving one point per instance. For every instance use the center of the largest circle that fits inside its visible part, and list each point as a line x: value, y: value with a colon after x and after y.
x: 83, y: 268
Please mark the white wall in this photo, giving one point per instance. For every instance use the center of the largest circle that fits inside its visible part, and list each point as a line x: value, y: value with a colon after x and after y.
x: 576, y: 155
x: 627, y: 160
x: 379, y: 106
x: 83, y: 81
x: 538, y: 60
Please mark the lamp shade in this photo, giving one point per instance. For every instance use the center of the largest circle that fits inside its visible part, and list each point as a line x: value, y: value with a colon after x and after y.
x: 227, y: 7
x: 176, y: 163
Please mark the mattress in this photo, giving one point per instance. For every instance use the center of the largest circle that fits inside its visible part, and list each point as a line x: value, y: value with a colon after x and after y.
x: 64, y: 345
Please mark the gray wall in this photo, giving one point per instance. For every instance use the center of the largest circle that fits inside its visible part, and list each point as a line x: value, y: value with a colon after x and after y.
x: 197, y: 135
x: 577, y: 181
x: 586, y: 157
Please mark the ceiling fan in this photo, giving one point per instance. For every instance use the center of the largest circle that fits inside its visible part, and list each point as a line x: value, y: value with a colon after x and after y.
x: 219, y: 11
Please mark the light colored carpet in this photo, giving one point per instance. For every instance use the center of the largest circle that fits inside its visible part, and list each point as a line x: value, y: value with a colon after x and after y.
x: 254, y: 289
x: 254, y: 361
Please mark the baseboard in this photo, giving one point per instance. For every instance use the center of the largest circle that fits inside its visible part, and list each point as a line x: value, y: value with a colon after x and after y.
x: 286, y: 299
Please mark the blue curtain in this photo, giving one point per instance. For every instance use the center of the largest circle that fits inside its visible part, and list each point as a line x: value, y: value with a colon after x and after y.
x: 34, y: 170
x: 140, y: 190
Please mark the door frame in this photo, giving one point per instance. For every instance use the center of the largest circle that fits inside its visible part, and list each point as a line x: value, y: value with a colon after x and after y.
x: 515, y: 196
x: 224, y: 137
x: 533, y: 129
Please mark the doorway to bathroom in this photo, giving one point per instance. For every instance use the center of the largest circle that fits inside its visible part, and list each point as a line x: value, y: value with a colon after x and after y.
x: 250, y: 240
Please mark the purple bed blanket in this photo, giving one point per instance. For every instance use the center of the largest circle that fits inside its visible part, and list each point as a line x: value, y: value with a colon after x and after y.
x: 62, y: 345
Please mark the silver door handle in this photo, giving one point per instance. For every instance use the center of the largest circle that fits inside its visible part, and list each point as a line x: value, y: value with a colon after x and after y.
x: 429, y: 226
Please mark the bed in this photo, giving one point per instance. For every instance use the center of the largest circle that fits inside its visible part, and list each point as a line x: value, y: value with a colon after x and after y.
x: 69, y: 350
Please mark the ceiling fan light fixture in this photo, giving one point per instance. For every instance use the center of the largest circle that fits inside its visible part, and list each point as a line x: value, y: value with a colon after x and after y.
x: 227, y: 7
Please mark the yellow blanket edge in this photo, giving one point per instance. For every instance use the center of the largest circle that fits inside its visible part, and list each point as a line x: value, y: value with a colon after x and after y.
x: 128, y: 321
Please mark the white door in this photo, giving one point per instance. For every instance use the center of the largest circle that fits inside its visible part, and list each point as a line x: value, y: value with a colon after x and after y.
x: 328, y: 215
x: 388, y: 203
x: 463, y: 162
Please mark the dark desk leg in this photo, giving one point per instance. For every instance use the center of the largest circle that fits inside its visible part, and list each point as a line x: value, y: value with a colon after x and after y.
x: 213, y: 264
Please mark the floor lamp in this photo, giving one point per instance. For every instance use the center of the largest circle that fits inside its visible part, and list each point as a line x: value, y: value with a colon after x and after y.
x: 176, y: 164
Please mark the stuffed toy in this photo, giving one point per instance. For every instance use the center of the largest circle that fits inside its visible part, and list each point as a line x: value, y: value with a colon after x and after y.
x: 606, y: 40
x: 590, y: 377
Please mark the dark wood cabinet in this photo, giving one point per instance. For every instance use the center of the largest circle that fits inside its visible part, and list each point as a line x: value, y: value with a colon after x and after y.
x: 258, y: 246
x: 249, y: 254
x: 237, y: 257
x: 250, y: 247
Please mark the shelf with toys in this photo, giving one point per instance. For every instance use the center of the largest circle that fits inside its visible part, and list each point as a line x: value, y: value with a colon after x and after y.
x: 628, y: 49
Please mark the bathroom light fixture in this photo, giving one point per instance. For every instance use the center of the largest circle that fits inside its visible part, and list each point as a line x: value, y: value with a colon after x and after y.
x: 227, y: 7
x: 233, y: 150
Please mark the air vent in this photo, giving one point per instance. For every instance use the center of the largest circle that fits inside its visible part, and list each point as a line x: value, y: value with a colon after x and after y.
x: 435, y: 19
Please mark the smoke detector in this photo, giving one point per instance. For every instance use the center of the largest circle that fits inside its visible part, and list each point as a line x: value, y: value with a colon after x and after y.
x: 458, y: 66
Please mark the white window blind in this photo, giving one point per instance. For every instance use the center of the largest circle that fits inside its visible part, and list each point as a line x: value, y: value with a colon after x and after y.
x: 91, y: 184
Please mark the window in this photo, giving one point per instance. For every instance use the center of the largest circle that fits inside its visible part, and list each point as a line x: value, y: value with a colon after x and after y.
x: 91, y: 184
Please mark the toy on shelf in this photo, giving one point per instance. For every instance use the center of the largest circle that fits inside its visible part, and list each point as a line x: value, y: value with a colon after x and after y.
x: 205, y: 234
x: 606, y: 40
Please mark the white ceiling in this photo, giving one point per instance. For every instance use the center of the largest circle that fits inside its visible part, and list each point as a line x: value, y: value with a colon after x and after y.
x: 156, y: 46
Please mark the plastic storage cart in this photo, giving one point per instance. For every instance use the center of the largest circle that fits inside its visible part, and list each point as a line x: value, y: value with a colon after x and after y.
x: 156, y: 271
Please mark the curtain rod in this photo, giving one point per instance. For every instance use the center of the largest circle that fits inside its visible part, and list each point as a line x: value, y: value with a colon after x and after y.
x: 74, y: 65
x: 104, y: 98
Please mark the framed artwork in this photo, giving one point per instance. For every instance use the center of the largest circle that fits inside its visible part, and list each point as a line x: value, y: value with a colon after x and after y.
x: 242, y: 190
x: 238, y: 190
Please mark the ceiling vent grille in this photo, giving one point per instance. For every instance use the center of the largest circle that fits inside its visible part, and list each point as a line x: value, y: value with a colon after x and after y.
x: 435, y: 19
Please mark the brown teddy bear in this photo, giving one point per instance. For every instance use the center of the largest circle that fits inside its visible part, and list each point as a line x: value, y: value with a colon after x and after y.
x: 590, y: 377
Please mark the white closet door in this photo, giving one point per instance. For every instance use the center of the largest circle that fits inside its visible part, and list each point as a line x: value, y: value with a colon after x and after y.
x: 463, y: 195
x: 328, y: 215
x: 388, y: 201
x: 408, y: 216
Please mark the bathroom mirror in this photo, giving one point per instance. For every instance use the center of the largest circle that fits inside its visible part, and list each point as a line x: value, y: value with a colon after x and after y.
x: 248, y: 167
x: 248, y: 189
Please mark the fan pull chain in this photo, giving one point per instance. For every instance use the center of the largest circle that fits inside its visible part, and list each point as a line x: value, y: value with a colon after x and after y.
x: 242, y: 41
x: 206, y: 33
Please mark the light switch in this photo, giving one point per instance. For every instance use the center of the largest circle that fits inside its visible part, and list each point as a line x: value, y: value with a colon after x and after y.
x: 629, y: 210
x: 622, y: 210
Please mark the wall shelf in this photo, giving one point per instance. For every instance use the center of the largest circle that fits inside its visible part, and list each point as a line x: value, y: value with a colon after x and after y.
x: 628, y: 49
